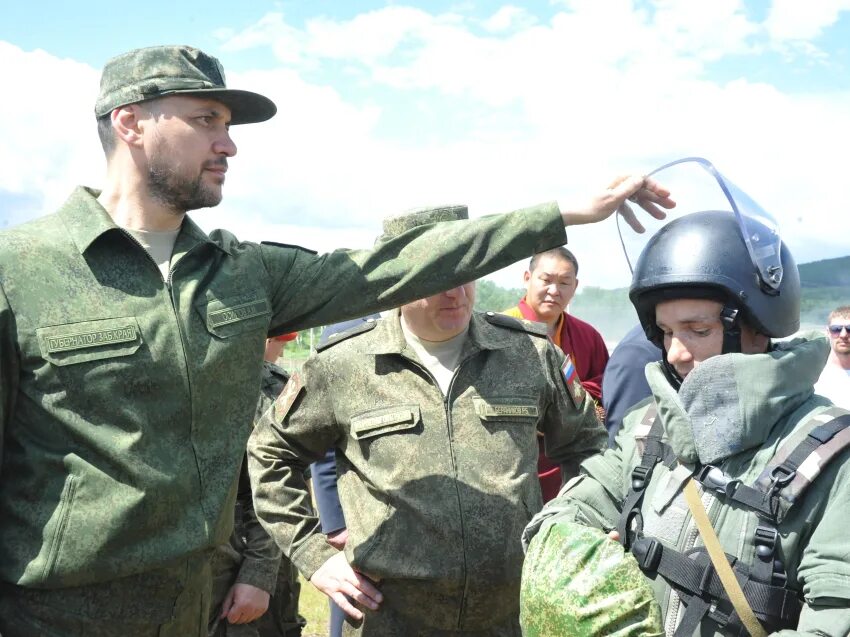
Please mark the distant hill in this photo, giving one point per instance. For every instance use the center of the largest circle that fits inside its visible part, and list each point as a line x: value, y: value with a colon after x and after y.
x: 826, y: 273
x: 826, y: 285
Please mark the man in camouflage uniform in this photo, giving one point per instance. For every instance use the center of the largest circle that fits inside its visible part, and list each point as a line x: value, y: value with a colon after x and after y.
x: 131, y: 346
x: 255, y: 590
x: 729, y: 414
x: 434, y: 412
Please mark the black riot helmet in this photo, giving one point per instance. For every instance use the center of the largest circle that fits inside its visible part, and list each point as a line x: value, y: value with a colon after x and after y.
x: 729, y: 252
x: 703, y: 255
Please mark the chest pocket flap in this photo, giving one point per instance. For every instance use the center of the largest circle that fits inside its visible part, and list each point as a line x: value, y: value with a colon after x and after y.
x: 519, y: 408
x: 93, y: 340
x: 234, y: 314
x: 383, y: 420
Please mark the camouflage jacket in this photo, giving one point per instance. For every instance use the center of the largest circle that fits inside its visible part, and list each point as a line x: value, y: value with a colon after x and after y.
x: 766, y: 398
x: 251, y: 556
x: 434, y: 488
x: 126, y: 400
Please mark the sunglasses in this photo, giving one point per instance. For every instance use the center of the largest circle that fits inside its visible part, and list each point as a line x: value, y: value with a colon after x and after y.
x: 835, y: 330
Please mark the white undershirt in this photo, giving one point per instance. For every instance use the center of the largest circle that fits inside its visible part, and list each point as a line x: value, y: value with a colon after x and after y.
x: 440, y: 358
x: 159, y: 245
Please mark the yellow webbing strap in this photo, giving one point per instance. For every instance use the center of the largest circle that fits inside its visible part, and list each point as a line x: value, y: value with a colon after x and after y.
x: 718, y: 558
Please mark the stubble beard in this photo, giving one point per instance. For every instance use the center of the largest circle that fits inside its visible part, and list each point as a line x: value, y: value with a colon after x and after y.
x: 176, y: 191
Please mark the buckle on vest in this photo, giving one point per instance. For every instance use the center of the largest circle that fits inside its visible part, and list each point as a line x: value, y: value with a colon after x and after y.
x: 714, y: 479
x: 647, y: 552
x: 639, y: 475
x: 781, y: 476
x: 765, y: 540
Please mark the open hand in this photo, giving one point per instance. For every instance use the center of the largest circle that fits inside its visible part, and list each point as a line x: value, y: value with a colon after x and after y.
x: 644, y: 191
x: 336, y: 579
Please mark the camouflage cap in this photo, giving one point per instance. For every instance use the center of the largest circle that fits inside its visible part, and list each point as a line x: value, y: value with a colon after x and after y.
x: 399, y: 224
x: 158, y: 71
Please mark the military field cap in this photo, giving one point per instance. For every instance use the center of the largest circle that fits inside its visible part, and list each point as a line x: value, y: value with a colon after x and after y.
x: 399, y: 224
x: 158, y: 71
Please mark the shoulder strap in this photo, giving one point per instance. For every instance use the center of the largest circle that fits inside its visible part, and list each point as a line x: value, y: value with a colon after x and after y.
x: 631, y: 523
x: 339, y: 337
x: 799, y: 462
x: 529, y: 327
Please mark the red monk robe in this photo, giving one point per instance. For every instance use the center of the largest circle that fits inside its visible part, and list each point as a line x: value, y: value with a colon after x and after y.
x: 587, y: 349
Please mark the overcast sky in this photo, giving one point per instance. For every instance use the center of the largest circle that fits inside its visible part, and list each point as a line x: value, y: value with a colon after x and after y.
x: 385, y: 106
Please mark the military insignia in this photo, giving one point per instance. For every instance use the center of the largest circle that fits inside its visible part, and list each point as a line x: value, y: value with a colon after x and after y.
x: 572, y: 382
x: 287, y: 397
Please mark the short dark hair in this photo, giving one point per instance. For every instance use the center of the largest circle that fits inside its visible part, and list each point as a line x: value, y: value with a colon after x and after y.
x: 560, y: 252
x: 106, y: 134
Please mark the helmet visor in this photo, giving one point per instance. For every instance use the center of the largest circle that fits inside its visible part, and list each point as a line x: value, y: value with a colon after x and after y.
x: 698, y: 186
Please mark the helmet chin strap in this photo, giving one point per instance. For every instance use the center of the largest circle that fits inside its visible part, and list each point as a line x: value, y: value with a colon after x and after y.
x: 729, y: 316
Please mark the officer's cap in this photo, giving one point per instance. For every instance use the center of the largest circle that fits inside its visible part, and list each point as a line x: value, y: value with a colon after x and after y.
x: 399, y: 224
x: 158, y: 71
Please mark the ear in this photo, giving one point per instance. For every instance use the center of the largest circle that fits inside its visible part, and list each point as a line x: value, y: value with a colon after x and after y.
x: 576, y: 284
x: 127, y: 124
x: 526, y: 277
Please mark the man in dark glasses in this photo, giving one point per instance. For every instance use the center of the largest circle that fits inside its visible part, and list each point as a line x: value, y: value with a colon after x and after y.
x: 834, y: 381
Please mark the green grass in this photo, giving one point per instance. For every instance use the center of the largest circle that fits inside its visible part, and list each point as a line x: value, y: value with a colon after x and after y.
x: 313, y: 605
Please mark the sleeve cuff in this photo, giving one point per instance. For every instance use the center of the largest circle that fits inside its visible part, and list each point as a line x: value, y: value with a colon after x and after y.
x: 259, y: 573
x: 312, y: 553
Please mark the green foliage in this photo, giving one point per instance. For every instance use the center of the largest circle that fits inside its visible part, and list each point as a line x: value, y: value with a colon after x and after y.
x: 489, y: 297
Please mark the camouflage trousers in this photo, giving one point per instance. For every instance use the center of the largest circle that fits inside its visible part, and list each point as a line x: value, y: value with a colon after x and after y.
x: 389, y: 622
x: 280, y: 620
x: 167, y: 602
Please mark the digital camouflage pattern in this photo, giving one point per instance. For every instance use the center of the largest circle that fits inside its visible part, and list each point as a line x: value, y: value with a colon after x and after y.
x: 753, y: 405
x: 578, y: 582
x: 127, y: 400
x: 399, y: 224
x: 157, y: 71
x: 252, y: 557
x: 435, y: 490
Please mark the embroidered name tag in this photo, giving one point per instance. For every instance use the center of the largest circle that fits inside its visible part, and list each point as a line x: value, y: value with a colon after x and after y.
x: 238, y: 313
x: 66, y: 342
x: 487, y: 410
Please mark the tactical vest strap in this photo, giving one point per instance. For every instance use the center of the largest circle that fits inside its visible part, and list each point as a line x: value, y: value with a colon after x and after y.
x: 693, y: 576
x: 631, y: 521
x: 796, y: 465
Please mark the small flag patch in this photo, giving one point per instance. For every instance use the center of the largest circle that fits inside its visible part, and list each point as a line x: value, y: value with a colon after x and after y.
x: 572, y: 382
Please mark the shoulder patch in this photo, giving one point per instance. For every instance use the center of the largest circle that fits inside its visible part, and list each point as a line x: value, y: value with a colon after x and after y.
x: 287, y: 397
x: 339, y: 337
x: 530, y: 327
x: 288, y: 245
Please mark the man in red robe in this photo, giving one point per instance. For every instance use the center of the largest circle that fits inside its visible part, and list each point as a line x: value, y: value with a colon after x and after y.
x: 550, y: 284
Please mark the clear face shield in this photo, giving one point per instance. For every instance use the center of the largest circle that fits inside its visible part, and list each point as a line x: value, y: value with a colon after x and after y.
x: 698, y: 186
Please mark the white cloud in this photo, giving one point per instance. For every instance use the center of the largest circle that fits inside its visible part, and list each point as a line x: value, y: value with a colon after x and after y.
x: 794, y: 20
x: 508, y: 18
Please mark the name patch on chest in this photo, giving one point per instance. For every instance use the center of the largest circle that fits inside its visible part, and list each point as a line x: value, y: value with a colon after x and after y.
x: 94, y: 338
x: 237, y: 313
x: 487, y: 410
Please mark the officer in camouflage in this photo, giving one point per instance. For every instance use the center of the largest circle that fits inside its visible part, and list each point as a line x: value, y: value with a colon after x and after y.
x: 131, y: 347
x: 434, y: 412
x: 255, y: 590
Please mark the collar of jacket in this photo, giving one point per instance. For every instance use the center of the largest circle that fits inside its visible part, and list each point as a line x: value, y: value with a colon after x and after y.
x: 389, y: 339
x: 86, y: 221
x: 731, y: 403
